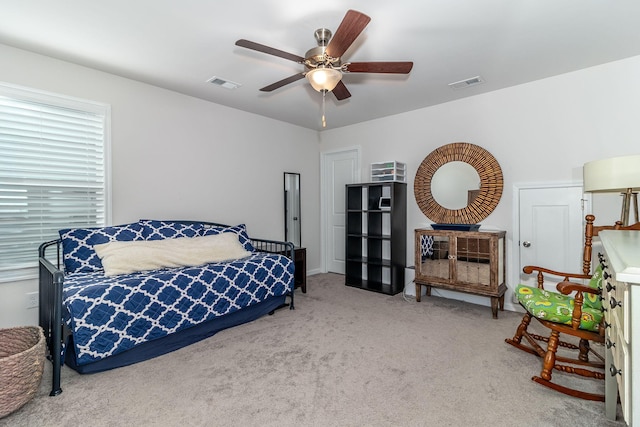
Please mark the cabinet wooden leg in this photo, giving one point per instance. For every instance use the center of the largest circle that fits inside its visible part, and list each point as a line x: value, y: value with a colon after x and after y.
x: 418, y: 291
x: 494, y: 306
x: 428, y: 290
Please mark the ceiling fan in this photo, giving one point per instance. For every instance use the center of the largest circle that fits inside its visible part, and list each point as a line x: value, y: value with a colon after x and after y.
x: 323, y: 64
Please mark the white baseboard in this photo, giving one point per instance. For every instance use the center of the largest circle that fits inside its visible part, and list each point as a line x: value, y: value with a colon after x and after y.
x: 314, y: 271
x: 410, y: 290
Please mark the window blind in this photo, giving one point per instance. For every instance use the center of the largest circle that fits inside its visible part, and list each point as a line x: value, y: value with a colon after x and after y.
x: 52, y: 173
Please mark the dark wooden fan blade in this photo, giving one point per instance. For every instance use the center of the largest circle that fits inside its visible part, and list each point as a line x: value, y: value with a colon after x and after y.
x: 379, y: 67
x: 340, y: 91
x: 269, y: 50
x: 282, y: 82
x: 350, y: 28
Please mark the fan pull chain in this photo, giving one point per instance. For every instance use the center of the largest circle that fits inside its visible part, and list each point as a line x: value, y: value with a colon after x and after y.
x: 324, y: 120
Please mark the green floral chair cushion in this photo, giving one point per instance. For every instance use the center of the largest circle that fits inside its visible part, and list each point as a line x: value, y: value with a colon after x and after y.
x: 592, y: 300
x: 556, y: 307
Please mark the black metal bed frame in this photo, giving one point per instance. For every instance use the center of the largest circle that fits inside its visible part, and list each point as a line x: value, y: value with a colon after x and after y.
x: 51, y: 280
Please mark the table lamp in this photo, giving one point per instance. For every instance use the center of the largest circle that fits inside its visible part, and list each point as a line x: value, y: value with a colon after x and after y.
x: 612, y: 175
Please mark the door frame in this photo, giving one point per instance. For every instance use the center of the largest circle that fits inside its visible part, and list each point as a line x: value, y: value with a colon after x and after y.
x: 326, y: 194
x: 515, y: 247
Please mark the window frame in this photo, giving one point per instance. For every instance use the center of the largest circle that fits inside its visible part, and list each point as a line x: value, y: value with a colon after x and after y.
x: 68, y: 102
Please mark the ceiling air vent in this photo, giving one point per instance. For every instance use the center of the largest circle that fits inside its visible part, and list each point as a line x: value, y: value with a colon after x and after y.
x: 227, y: 84
x: 466, y: 83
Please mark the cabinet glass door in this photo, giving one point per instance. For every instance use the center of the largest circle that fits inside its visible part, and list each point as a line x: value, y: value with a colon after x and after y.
x: 434, y: 256
x: 473, y: 260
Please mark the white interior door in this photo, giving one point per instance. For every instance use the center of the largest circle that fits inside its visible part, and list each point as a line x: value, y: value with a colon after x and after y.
x: 338, y: 169
x: 551, y: 228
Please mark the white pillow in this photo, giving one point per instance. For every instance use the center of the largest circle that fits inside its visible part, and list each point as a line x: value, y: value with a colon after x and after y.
x: 142, y: 255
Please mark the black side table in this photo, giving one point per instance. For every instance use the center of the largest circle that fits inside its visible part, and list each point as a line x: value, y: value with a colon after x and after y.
x: 300, y: 274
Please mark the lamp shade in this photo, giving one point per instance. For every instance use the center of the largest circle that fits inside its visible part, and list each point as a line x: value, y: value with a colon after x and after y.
x: 322, y: 78
x: 614, y: 174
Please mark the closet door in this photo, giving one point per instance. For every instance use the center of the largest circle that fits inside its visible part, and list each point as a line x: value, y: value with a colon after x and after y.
x: 551, y: 228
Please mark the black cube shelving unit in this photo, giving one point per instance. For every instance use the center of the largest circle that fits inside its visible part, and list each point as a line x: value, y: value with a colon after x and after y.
x: 376, y: 237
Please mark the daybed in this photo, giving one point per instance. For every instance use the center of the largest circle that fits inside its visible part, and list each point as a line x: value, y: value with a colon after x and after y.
x: 114, y: 296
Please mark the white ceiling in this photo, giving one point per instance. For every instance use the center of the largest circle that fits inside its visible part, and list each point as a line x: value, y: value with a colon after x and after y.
x: 179, y: 45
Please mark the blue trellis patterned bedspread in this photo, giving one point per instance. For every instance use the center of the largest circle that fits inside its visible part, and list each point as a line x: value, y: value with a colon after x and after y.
x: 109, y: 315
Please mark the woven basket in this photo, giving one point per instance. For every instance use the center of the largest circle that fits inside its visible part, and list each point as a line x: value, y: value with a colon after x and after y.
x: 22, y: 354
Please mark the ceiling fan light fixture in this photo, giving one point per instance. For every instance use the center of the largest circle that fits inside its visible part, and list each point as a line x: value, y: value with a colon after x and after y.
x: 323, y: 78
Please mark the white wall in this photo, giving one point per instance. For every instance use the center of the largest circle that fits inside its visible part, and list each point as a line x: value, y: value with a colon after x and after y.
x: 178, y: 157
x: 539, y: 132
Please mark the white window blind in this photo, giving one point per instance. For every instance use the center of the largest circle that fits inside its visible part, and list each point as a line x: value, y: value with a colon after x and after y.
x: 52, y: 172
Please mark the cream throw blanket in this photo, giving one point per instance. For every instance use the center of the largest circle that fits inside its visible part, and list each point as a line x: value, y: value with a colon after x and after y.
x: 128, y: 257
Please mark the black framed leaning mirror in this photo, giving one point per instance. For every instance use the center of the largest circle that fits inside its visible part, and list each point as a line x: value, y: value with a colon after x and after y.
x: 292, y: 220
x: 466, y: 169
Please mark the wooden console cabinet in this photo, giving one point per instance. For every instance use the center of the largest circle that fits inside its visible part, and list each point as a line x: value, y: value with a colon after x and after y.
x: 465, y: 261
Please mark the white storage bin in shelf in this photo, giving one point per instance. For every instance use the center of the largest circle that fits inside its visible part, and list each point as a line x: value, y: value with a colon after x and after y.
x: 388, y: 171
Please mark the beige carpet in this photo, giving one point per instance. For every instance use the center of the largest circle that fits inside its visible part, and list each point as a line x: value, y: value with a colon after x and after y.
x: 343, y: 357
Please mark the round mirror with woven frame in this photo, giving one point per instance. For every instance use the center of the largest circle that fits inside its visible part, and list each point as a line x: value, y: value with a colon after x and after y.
x: 484, y: 202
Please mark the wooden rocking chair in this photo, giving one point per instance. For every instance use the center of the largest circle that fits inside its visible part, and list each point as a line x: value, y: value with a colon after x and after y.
x: 580, y: 316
